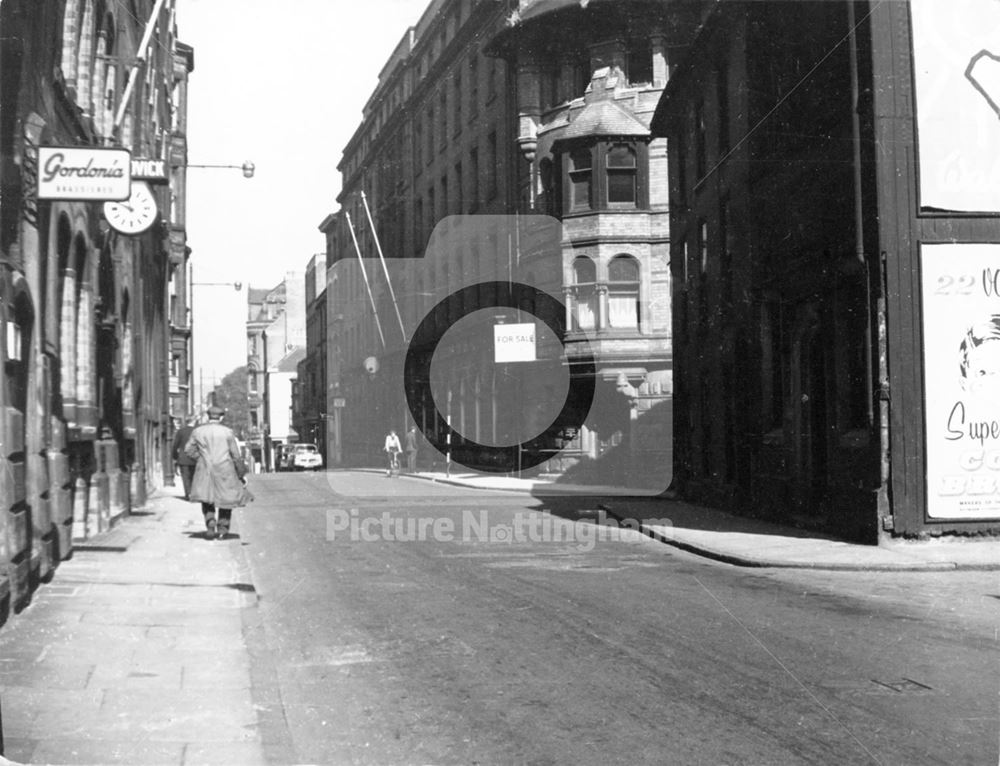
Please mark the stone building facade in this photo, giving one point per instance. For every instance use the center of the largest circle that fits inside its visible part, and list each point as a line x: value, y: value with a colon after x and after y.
x: 88, y: 330
x: 309, y: 400
x: 276, y: 338
x: 488, y: 110
x: 436, y: 140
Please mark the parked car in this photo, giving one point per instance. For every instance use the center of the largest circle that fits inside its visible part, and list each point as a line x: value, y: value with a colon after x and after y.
x: 301, y: 457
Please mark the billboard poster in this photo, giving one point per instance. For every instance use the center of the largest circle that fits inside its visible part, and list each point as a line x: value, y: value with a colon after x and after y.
x: 956, y: 54
x: 960, y: 286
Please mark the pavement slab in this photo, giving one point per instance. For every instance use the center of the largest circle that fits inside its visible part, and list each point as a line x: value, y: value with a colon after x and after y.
x: 134, y: 653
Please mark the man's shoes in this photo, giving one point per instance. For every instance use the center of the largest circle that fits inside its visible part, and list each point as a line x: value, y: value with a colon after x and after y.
x: 223, y: 531
x: 210, y: 529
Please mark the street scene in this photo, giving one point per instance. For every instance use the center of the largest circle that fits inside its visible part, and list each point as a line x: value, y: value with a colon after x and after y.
x: 298, y: 640
x: 499, y: 382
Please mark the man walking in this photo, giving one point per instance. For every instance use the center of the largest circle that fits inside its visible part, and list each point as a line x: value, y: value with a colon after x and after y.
x: 219, y: 474
x: 411, y: 449
x: 184, y: 463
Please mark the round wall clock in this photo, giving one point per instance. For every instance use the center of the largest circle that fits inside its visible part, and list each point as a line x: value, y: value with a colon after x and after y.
x: 134, y: 215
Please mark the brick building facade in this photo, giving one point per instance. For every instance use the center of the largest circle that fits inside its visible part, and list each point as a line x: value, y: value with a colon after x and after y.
x: 89, y: 330
x: 834, y: 236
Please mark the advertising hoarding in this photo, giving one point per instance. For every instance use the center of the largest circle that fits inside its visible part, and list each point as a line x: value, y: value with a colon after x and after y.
x: 960, y: 286
x: 956, y: 54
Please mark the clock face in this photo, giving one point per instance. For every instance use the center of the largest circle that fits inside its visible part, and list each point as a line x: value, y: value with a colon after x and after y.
x: 134, y: 215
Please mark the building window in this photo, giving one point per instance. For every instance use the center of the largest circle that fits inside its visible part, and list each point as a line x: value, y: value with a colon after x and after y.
x: 585, y: 308
x: 622, y: 169
x: 457, y: 103
x: 491, y: 83
x: 725, y: 257
x: 547, y: 179
x: 639, y: 61
x: 443, y: 104
x: 418, y: 221
x: 681, y: 159
x: 252, y: 382
x: 703, y: 271
x: 722, y: 96
x: 473, y: 84
x: 418, y: 145
x: 459, y: 195
x: 474, y: 178
x: 580, y: 179
x: 430, y: 134
x: 700, y: 142
x: 623, y: 292
x: 491, y: 165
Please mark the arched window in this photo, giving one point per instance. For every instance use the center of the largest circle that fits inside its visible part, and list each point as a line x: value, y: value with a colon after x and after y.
x: 105, y: 75
x: 621, y: 166
x: 67, y: 317
x: 85, y: 359
x: 85, y: 58
x: 585, y: 308
x: 72, y: 23
x: 623, y: 292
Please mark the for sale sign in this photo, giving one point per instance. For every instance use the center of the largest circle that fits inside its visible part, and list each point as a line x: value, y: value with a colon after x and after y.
x: 960, y: 285
x: 514, y: 342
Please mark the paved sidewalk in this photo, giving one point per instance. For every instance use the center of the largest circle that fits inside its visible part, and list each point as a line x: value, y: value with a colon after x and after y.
x: 134, y: 652
x: 743, y: 541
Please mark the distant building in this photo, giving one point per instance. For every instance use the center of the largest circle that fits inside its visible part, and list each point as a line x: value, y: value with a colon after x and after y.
x: 275, y: 335
x: 494, y: 110
x: 587, y: 79
x: 310, y: 403
x: 436, y: 139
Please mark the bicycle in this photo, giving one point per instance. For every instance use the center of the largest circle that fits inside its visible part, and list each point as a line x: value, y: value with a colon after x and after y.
x: 394, y: 468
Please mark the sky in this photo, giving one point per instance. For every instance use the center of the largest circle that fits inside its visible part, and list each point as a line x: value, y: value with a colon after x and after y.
x: 280, y: 83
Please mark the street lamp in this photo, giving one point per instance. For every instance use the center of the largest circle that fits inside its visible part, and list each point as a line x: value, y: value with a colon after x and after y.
x: 237, y: 286
x: 247, y: 167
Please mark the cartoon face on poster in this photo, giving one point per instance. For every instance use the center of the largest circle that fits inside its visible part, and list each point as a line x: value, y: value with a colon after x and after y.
x: 960, y: 285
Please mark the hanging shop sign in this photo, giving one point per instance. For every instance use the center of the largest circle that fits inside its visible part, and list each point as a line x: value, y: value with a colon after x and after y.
x: 514, y: 342
x: 956, y: 55
x: 152, y: 171
x: 83, y: 173
x: 960, y: 285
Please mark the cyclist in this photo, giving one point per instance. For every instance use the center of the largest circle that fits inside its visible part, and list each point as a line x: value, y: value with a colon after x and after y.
x: 392, y: 448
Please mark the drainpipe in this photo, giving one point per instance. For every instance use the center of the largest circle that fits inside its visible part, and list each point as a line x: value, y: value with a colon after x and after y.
x: 884, y: 511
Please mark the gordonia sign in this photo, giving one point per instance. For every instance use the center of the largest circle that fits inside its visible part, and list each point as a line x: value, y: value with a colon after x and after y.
x: 83, y: 173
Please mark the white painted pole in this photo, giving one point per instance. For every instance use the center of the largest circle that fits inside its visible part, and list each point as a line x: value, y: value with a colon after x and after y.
x: 364, y: 274
x: 134, y: 71
x: 385, y: 268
